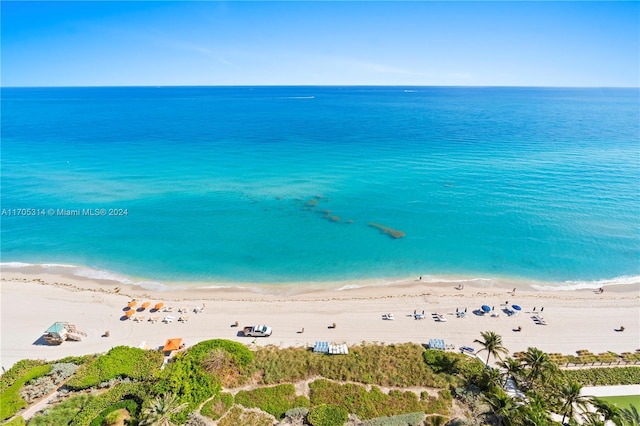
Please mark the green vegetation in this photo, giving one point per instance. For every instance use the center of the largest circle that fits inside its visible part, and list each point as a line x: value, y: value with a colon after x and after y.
x: 13, y: 380
x: 384, y: 365
x: 107, y: 416
x: 121, y: 361
x: 62, y: 413
x: 328, y: 415
x: 275, y: 400
x: 159, y: 410
x: 411, y: 419
x: 16, y: 421
x: 186, y: 378
x: 218, y: 406
x: 374, y: 403
x: 223, y: 359
x: 119, y: 392
x: 128, y: 380
x: 238, y: 416
x: 605, y: 376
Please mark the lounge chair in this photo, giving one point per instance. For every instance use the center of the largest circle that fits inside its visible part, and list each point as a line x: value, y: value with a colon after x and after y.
x: 168, y: 319
x: 184, y: 318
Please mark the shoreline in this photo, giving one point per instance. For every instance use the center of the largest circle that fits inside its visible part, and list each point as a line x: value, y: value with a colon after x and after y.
x: 81, y: 276
x: 575, y: 320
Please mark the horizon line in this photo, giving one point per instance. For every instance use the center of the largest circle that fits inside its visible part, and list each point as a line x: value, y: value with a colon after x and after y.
x: 314, y: 85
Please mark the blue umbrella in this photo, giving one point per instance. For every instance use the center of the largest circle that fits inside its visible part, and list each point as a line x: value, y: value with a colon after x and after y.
x: 516, y: 307
x: 486, y: 308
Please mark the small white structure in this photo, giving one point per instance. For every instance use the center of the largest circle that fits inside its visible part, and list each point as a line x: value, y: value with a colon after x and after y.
x: 332, y: 349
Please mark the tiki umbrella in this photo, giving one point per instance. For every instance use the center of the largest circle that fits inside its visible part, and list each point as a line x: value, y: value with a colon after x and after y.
x: 145, y: 305
x: 158, y: 306
x: 172, y: 345
x: 130, y: 313
x: 132, y: 304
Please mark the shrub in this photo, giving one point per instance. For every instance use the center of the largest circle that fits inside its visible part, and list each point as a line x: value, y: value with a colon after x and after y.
x: 121, y: 361
x: 237, y: 416
x: 186, y: 379
x: 62, y: 413
x: 399, y: 365
x: 328, y: 415
x: 218, y: 406
x: 410, y: 419
x: 128, y: 404
x: 10, y: 400
x: 42, y: 386
x: 443, y: 362
x: 16, y: 372
x: 97, y: 405
x: 16, y: 421
x: 297, y: 415
x: 240, y: 354
x: 365, y: 404
x: 605, y: 376
x: 275, y: 400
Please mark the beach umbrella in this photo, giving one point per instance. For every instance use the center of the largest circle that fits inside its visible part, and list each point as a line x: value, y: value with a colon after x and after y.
x: 172, y: 344
x: 132, y: 304
x: 486, y: 308
x: 158, y: 306
x: 145, y: 305
x: 130, y: 313
x: 516, y: 307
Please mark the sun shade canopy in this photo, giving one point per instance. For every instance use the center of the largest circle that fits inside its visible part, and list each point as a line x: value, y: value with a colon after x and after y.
x: 172, y: 344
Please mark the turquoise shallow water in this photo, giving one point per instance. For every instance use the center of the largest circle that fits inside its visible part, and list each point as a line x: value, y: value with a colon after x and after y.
x: 233, y: 184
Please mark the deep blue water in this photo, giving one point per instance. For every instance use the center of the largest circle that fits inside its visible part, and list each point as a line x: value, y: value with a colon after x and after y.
x: 232, y: 184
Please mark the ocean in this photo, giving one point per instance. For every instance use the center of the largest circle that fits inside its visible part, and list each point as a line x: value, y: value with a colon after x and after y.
x: 314, y: 184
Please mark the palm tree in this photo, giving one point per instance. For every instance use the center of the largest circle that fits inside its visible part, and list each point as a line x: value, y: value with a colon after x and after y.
x: 570, y: 394
x: 492, y: 343
x: 512, y: 368
x: 157, y: 411
x: 534, y: 412
x: 592, y: 419
x: 630, y: 416
x: 502, y: 406
x: 609, y: 411
x: 538, y: 364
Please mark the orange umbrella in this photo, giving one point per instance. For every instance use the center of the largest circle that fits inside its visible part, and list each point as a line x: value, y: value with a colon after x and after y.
x: 130, y: 313
x: 172, y: 344
x: 158, y: 306
x: 132, y: 304
x: 145, y: 305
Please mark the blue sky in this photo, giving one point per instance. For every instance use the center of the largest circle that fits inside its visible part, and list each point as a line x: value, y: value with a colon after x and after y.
x: 320, y: 43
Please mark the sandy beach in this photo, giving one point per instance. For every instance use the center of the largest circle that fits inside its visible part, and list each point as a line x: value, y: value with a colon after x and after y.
x: 575, y: 319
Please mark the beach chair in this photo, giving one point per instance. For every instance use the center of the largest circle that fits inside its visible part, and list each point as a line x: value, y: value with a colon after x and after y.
x: 168, y: 319
x: 184, y: 318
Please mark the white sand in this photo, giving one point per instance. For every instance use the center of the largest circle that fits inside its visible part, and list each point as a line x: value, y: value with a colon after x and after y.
x: 578, y: 319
